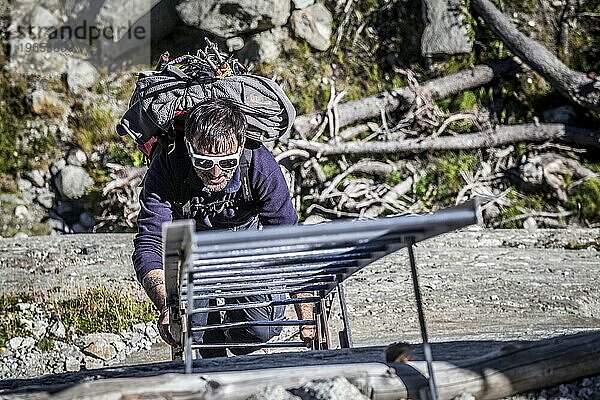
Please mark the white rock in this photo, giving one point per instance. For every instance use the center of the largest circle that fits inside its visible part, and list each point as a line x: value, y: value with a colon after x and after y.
x: 22, y: 213
x: 20, y: 235
x: 81, y: 75
x: 72, y: 364
x: 301, y: 4
x: 24, y: 184
x: 15, y: 343
x: 23, y: 306
x: 530, y: 225
x: 36, y: 176
x: 77, y: 157
x: 93, y: 363
x: 58, y: 330
x: 73, y: 182
x: 139, y: 328
x: 313, y: 24
x: 235, y: 43
x: 151, y: 331
x: 39, y: 328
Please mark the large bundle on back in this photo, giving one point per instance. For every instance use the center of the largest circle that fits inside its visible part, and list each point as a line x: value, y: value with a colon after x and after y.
x: 163, y: 97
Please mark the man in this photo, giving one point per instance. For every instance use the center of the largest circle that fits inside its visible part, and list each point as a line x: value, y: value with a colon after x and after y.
x: 206, y: 175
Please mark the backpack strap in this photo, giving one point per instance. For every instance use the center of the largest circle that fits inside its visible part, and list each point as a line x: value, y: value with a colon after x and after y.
x: 245, y: 160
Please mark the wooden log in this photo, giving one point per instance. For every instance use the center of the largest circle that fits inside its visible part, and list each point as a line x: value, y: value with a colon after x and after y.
x: 499, y: 136
x: 510, y: 370
x: 575, y: 85
x: 358, y: 110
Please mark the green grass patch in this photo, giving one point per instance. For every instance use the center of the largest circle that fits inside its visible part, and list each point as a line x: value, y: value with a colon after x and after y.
x: 11, y: 326
x: 443, y: 181
x: 585, y: 200
x: 100, y: 310
x: 93, y: 125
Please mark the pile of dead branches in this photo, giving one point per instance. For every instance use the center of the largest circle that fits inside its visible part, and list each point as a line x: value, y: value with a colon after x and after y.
x: 339, y: 161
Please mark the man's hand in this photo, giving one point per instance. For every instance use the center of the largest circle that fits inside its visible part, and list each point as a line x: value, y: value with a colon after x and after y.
x: 308, y: 333
x: 163, y: 327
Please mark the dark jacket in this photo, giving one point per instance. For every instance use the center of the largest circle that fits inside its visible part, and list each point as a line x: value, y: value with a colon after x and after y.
x: 171, y: 182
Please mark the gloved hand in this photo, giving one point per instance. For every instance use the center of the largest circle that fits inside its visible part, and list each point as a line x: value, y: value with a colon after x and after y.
x: 163, y: 327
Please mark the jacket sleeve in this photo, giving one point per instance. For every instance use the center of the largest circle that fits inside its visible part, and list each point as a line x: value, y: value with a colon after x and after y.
x: 156, y: 199
x: 273, y: 196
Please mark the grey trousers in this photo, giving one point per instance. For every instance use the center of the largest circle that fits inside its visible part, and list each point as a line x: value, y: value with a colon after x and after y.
x: 237, y: 335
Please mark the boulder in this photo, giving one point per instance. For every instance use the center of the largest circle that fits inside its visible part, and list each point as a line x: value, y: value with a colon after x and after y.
x: 22, y: 213
x: 45, y: 198
x: 73, y: 182
x: 36, y: 177
x: 72, y: 364
x: 264, y: 46
x: 234, y: 44
x: 77, y: 157
x: 41, y: 18
x: 58, y: 330
x: 235, y: 17
x: 100, y: 345
x: 45, y: 102
x: 302, y: 4
x: 313, y: 24
x: 445, y: 31
x: 81, y: 75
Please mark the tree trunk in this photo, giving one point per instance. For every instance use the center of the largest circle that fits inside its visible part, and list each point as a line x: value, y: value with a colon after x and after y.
x: 370, y: 107
x: 574, y: 85
x: 499, y: 136
x: 512, y: 369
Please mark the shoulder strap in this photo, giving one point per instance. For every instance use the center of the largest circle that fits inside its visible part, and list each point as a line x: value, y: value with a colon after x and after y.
x: 245, y: 161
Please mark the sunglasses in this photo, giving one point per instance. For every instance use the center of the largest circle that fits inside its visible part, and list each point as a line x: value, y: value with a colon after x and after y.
x: 204, y: 162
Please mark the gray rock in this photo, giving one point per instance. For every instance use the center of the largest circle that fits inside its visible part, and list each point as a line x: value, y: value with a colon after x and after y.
x: 139, y: 328
x: 231, y: 18
x: 234, y: 44
x: 445, y: 31
x: 120, y: 346
x: 81, y: 75
x: 24, y: 185
x: 86, y: 220
x: 93, y: 363
x: 563, y: 115
x: 59, y: 225
x: 39, y: 328
x: 265, y: 46
x: 273, y: 393
x: 23, y: 306
x: 58, y: 330
x: 45, y: 198
x: 332, y: 389
x: 151, y: 331
x: 100, y: 348
x: 530, y: 225
x: 22, y: 213
x: 77, y: 157
x: 20, y: 235
x: 73, y: 182
x: 302, y: 4
x: 44, y: 102
x: 36, y: 176
x: 314, y: 25
x: 72, y: 364
x: 42, y: 18
x: 21, y: 343
x: 57, y: 166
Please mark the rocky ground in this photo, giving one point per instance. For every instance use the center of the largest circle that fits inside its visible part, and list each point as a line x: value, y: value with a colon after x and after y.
x: 479, y: 287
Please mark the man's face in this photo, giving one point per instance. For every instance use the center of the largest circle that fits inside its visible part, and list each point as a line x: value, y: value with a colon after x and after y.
x: 215, y: 165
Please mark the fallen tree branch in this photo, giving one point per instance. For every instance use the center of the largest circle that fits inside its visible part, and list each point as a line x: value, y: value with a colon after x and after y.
x: 499, y: 136
x: 573, y: 84
x: 358, y: 110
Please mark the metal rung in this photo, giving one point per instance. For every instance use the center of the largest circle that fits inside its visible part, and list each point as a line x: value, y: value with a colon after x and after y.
x: 270, y: 273
x: 258, y: 276
x: 244, y: 345
x: 292, y: 289
x: 244, y: 306
x: 243, y: 272
x: 288, y: 322
x: 199, y: 287
x: 307, y: 262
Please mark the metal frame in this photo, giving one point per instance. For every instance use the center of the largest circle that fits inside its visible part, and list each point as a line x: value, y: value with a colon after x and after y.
x: 290, y: 259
